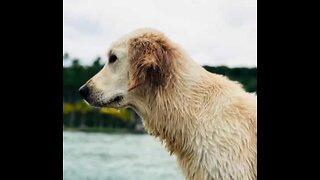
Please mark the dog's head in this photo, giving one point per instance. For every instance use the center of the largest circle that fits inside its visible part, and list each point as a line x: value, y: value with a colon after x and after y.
x: 136, y: 62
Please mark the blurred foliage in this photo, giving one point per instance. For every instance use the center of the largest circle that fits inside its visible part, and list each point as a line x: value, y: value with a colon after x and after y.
x: 75, y: 76
x: 246, y: 76
x: 68, y: 108
x: 83, y: 108
x: 76, y: 113
x: 122, y: 114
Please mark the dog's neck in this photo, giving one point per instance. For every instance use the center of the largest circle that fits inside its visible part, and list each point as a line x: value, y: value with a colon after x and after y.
x: 166, y: 111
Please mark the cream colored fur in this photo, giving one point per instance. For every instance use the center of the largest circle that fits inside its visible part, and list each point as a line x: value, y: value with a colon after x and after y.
x: 206, y: 120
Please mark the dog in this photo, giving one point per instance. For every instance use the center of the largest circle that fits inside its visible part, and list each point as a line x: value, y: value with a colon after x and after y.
x: 206, y: 120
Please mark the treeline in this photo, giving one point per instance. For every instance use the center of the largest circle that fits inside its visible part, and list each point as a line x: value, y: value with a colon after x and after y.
x: 77, y: 114
x: 246, y: 76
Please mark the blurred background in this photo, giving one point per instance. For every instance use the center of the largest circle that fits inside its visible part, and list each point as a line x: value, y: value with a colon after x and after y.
x: 109, y: 144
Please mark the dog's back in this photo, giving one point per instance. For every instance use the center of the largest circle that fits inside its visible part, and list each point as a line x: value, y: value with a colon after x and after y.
x: 222, y: 142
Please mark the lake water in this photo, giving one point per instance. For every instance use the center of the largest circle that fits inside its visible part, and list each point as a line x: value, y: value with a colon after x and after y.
x: 98, y: 156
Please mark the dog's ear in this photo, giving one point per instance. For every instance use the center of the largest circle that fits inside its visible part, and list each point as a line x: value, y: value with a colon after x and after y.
x: 150, y: 61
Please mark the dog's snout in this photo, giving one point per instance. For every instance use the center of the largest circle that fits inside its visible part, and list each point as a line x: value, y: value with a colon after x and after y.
x: 84, y: 91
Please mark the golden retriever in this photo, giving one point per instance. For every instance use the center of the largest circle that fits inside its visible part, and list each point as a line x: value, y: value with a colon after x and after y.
x: 206, y: 120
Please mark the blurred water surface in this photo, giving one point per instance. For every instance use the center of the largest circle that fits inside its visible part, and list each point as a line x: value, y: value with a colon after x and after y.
x: 98, y: 156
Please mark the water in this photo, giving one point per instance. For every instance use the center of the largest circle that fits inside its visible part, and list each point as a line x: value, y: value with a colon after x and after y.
x: 97, y: 156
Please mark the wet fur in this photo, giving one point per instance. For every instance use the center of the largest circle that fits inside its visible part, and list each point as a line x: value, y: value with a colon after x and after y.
x: 206, y: 120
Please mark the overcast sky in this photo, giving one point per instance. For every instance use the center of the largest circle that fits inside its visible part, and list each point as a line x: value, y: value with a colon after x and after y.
x: 213, y: 32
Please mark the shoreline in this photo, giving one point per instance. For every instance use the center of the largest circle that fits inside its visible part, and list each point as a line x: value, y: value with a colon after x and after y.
x: 103, y: 130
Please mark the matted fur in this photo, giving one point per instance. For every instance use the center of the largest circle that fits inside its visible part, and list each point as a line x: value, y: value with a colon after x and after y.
x: 206, y: 120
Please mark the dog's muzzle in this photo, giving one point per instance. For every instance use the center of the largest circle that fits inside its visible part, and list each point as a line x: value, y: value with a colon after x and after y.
x: 84, y: 91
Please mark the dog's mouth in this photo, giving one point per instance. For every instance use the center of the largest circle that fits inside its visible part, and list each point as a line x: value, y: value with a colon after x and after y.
x: 116, y: 99
x: 114, y: 102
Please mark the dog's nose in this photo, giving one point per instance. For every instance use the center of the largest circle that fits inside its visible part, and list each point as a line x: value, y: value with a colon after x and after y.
x: 84, y: 91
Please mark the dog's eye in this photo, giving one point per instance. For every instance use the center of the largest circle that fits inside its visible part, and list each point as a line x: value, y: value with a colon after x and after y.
x: 112, y: 58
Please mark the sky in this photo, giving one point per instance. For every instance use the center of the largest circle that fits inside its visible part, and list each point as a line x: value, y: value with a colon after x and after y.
x: 212, y: 32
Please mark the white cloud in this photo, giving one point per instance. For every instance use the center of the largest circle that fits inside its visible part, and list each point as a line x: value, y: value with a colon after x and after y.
x: 215, y: 32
